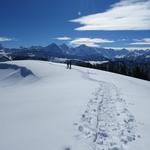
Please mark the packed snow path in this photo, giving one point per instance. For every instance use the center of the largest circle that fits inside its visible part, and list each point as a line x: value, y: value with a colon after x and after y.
x: 106, y: 122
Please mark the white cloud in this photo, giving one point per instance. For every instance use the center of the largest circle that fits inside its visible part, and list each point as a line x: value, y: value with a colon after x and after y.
x: 91, y: 42
x: 65, y: 38
x: 124, y: 15
x: 145, y: 41
x: 129, y: 48
x: 122, y: 40
x: 5, y: 39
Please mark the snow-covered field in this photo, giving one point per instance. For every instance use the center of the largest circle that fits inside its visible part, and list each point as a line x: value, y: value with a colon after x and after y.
x: 44, y: 106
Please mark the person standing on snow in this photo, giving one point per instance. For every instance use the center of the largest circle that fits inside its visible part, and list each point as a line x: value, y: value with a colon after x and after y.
x: 69, y: 64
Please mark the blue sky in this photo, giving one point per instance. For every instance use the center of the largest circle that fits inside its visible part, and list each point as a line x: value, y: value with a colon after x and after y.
x: 106, y: 23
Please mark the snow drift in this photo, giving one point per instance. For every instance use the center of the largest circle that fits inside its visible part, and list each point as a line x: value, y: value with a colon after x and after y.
x: 11, y: 73
x: 23, y: 71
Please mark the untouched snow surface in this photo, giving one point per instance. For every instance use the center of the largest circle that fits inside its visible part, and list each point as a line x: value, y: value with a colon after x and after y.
x: 52, y: 108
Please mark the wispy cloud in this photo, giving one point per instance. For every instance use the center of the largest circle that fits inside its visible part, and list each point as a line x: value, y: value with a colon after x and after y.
x: 65, y: 38
x: 145, y: 41
x: 91, y: 42
x: 124, y: 15
x: 129, y: 48
x: 5, y: 39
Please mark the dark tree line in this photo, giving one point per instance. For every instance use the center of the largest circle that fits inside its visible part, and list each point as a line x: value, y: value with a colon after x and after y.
x: 133, y: 69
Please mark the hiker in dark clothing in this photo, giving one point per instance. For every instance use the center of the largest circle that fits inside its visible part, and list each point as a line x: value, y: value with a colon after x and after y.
x: 69, y: 63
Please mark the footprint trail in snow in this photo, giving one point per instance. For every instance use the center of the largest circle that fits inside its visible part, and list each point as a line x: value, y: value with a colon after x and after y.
x: 106, y: 123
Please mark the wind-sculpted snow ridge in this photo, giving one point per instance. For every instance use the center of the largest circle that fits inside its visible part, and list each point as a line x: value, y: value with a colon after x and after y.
x: 11, y: 74
x: 23, y: 70
x: 106, y: 123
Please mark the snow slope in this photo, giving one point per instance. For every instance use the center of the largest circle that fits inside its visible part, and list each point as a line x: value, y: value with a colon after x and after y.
x: 80, y: 109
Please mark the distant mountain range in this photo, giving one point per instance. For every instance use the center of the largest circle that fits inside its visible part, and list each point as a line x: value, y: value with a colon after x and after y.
x: 81, y: 52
